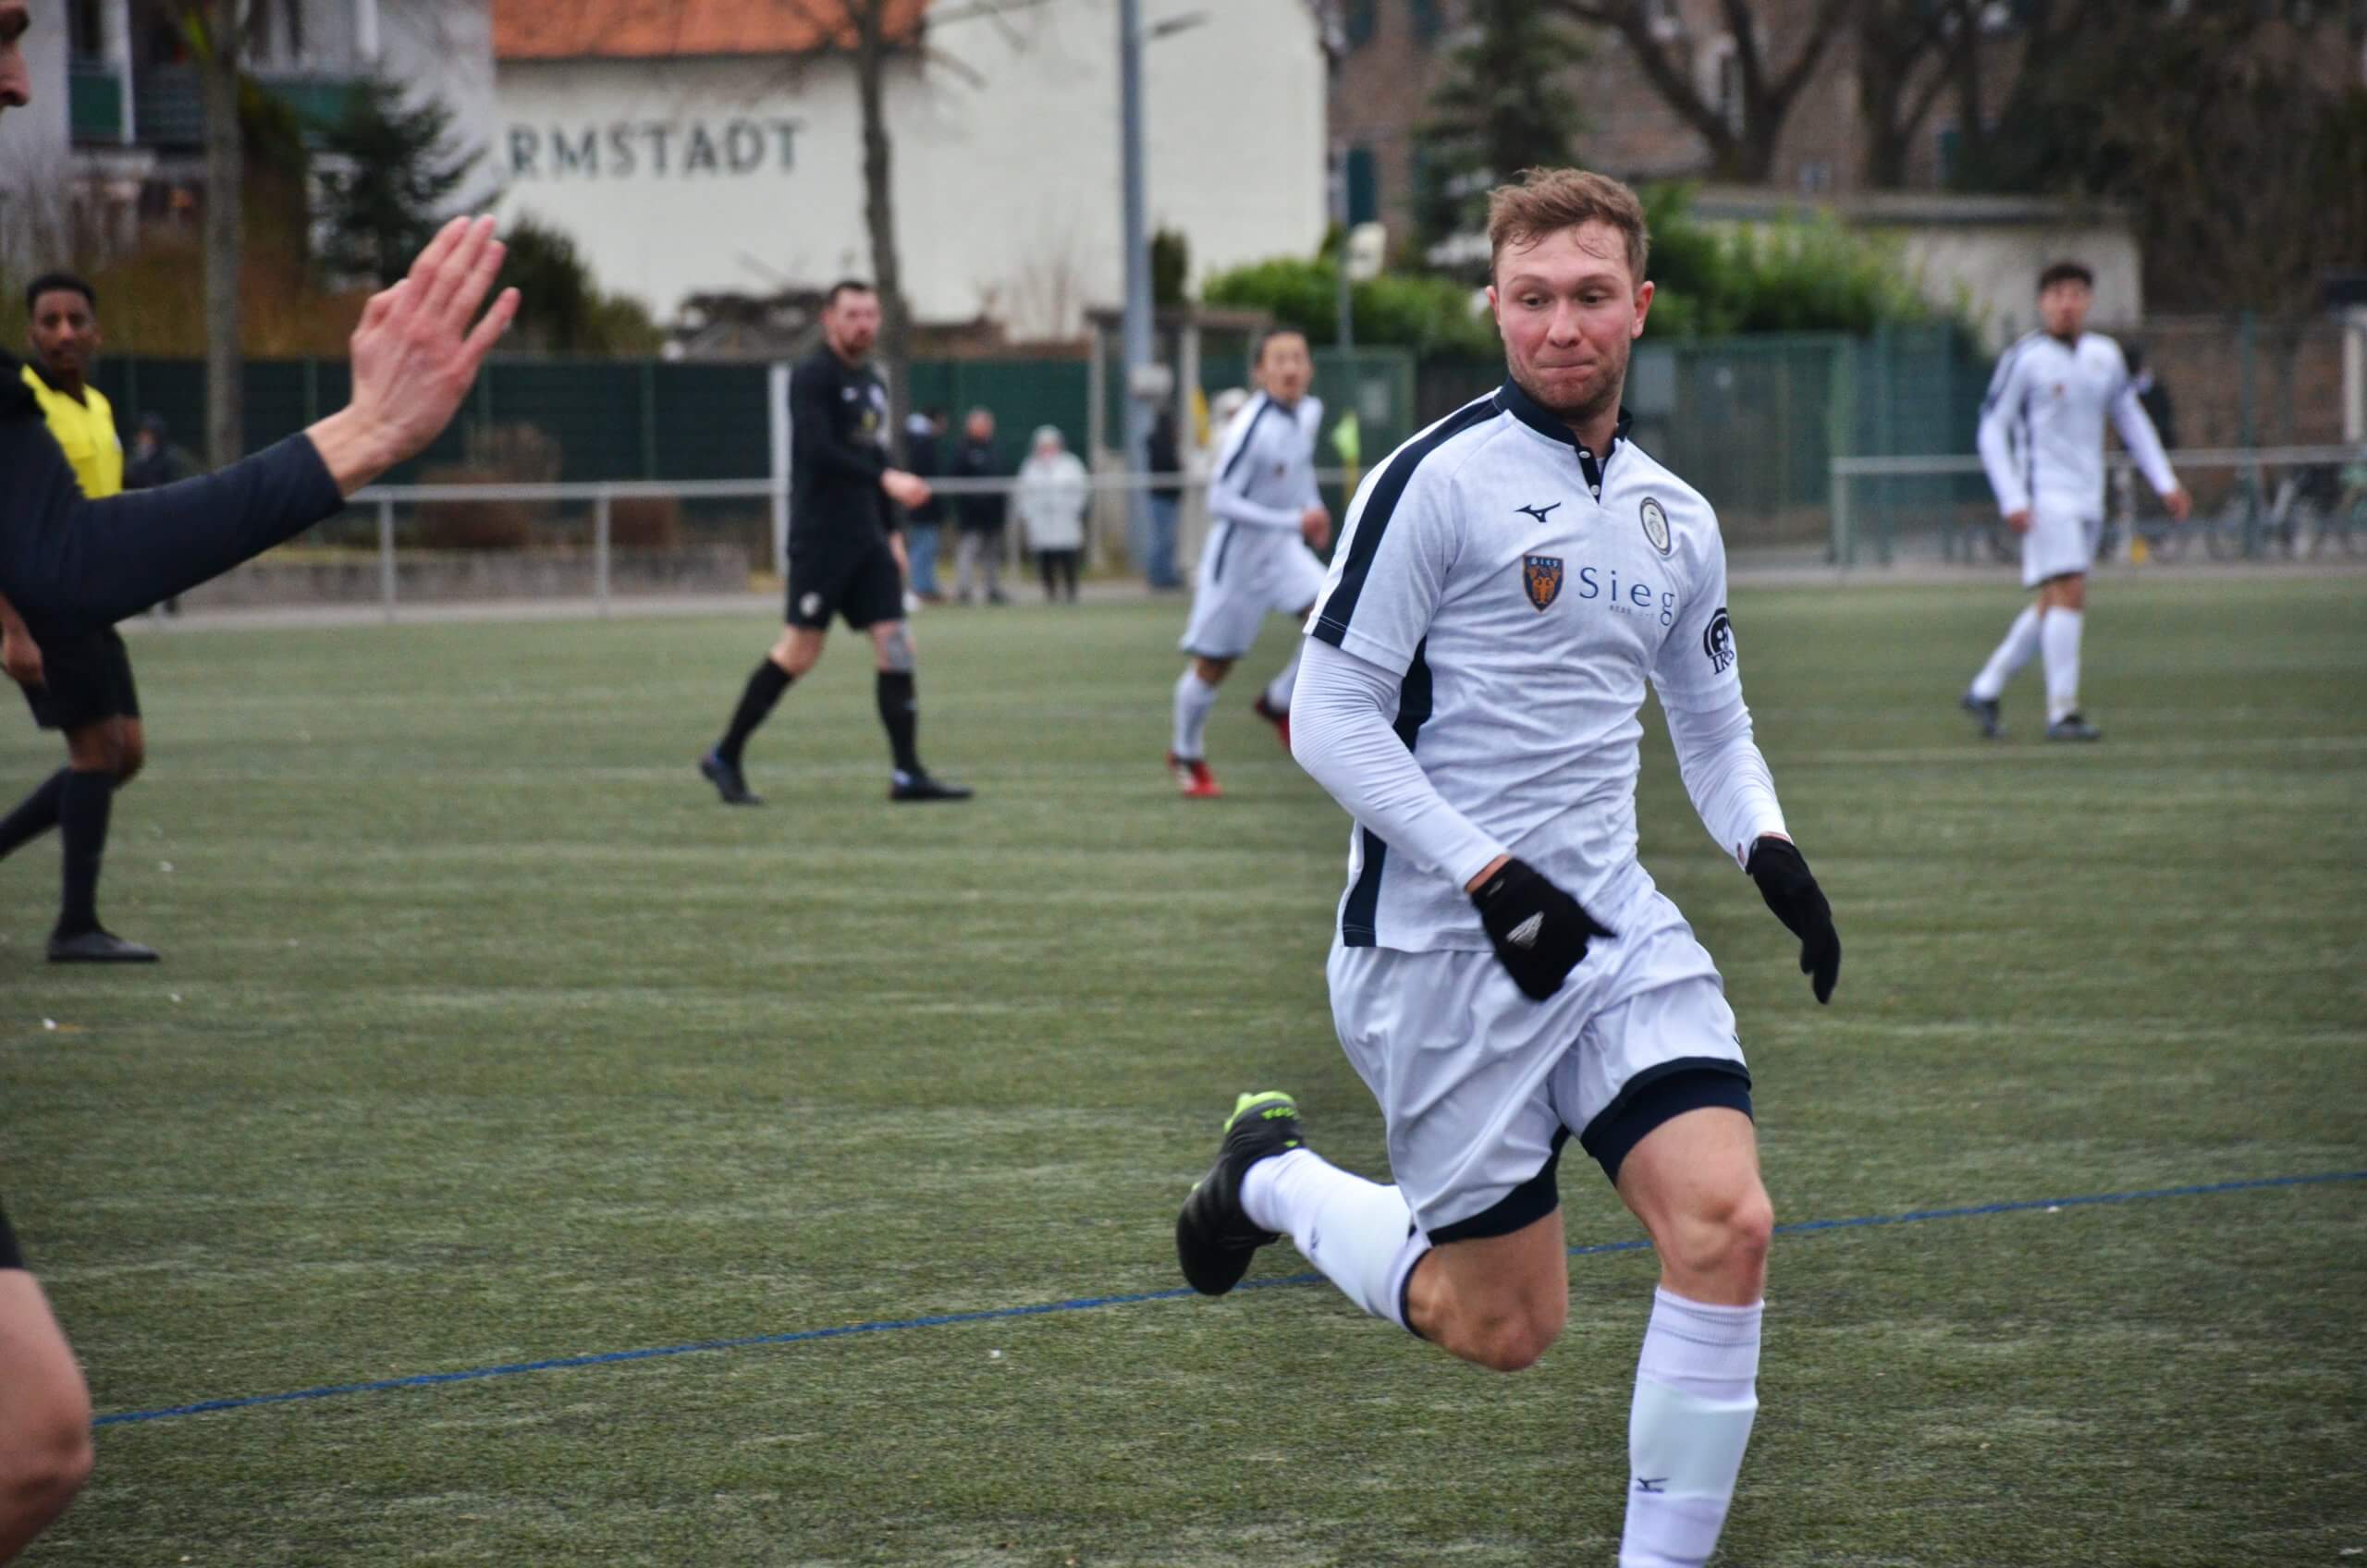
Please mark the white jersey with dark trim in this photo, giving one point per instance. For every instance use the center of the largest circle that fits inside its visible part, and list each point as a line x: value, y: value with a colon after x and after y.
x: 2042, y: 434
x: 1525, y: 592
x: 1265, y: 464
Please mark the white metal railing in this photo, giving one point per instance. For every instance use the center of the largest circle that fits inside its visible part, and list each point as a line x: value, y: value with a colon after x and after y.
x: 2253, y: 463
x: 601, y: 494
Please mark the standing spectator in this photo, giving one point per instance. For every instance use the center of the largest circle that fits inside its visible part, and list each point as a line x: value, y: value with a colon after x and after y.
x: 1052, y: 497
x: 1166, y: 497
x: 925, y: 457
x: 154, y: 463
x: 980, y: 515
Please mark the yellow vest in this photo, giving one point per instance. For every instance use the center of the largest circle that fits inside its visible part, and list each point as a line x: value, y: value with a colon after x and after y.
x: 86, y: 430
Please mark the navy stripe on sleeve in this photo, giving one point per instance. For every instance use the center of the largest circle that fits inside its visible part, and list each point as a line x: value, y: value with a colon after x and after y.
x: 1247, y: 437
x: 1341, y: 608
x: 1359, y: 915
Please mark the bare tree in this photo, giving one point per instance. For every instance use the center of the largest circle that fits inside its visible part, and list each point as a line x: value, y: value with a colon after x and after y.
x: 1908, y: 53
x: 215, y: 23
x: 1742, y: 137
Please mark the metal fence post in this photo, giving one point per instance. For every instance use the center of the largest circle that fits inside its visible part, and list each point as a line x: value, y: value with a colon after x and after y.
x: 600, y: 550
x: 386, y: 553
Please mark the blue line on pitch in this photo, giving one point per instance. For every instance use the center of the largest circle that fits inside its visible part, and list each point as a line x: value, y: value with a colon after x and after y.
x: 1085, y: 1303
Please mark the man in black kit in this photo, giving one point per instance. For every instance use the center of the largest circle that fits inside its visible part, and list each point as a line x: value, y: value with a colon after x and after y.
x: 846, y: 552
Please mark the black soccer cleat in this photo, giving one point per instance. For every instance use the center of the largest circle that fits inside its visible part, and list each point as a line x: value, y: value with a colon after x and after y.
x: 98, y: 946
x: 728, y: 782
x: 911, y: 787
x: 2071, y: 727
x: 1985, y: 710
x: 1214, y: 1236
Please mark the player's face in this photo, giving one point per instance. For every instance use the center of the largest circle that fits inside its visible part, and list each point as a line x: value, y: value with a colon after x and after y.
x: 1569, y: 309
x: 853, y: 325
x: 2064, y: 307
x: 15, y: 78
x: 981, y: 427
x: 1285, y: 367
x: 64, y: 333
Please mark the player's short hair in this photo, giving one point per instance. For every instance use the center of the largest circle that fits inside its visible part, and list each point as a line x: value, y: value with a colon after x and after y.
x: 1548, y: 201
x: 2065, y: 271
x: 51, y: 282
x: 844, y: 287
x: 1280, y: 329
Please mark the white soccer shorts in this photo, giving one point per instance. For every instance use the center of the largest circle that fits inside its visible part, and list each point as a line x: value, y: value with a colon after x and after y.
x: 1479, y: 1086
x: 2060, y: 541
x: 1246, y: 574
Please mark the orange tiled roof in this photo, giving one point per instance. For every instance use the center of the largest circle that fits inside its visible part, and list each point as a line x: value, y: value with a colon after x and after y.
x: 634, y: 30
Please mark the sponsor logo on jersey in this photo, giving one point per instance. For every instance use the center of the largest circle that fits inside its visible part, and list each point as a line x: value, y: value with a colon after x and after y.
x: 1656, y: 525
x: 1542, y: 575
x: 1539, y: 513
x: 1718, y: 642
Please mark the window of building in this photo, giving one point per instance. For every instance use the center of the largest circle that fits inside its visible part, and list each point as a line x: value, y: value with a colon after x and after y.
x: 1816, y: 174
x: 85, y: 32
x: 1363, y: 20
x: 1428, y: 18
x: 1364, y: 187
x: 1948, y: 143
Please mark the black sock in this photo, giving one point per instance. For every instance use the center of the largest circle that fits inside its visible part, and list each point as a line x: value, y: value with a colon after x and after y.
x: 764, y: 688
x: 83, y: 803
x: 899, y: 710
x: 34, y: 815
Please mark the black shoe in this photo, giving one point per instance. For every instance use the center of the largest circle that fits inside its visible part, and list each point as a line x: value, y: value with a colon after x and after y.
x: 727, y: 783
x: 1214, y: 1236
x: 1985, y: 710
x: 2071, y: 727
x: 98, y: 946
x: 920, y: 786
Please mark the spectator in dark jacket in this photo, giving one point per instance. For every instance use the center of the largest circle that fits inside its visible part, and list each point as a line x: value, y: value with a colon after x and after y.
x: 923, y: 455
x: 980, y: 515
x: 1166, y: 497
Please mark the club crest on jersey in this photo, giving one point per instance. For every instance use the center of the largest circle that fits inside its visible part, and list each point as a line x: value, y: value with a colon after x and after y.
x: 1542, y: 575
x: 1718, y: 642
x: 1656, y: 525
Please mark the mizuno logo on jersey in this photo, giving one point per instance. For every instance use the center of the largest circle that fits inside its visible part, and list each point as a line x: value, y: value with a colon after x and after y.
x: 1541, y: 576
x: 1539, y: 513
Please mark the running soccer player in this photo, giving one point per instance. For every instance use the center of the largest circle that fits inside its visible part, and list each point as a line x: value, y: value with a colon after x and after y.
x: 44, y: 1408
x: 1257, y: 560
x: 846, y: 553
x: 2042, y: 441
x: 78, y: 682
x: 1504, y: 972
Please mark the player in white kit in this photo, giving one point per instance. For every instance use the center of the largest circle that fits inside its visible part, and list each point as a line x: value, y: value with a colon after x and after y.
x: 1260, y: 556
x: 2042, y: 441
x: 1504, y: 972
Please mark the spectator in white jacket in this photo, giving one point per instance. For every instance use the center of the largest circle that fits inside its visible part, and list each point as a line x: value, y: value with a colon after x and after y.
x: 1053, y: 494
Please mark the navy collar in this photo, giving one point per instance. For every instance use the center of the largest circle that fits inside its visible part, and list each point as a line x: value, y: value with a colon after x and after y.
x: 1516, y: 402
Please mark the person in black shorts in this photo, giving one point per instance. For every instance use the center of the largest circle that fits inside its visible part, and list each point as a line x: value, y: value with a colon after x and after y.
x: 78, y: 682
x: 846, y: 554
x: 44, y: 1407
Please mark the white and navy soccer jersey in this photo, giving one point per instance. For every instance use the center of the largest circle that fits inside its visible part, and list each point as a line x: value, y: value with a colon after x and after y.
x: 2042, y: 434
x: 1525, y: 590
x: 1254, y: 562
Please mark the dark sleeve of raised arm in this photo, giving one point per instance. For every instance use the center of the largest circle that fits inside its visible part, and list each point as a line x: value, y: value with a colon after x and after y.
x: 68, y: 560
x: 815, y: 424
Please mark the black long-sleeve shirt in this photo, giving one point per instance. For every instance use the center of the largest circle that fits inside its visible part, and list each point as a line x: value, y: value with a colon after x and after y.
x: 838, y: 450
x: 69, y: 563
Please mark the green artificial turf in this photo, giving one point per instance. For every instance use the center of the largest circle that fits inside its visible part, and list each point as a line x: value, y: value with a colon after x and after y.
x: 486, y: 1035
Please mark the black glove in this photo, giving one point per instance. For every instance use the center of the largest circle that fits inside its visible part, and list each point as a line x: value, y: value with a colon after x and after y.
x: 1791, y: 891
x: 1539, y: 931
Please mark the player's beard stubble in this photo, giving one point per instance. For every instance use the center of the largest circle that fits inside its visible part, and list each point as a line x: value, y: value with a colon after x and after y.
x: 1594, y: 399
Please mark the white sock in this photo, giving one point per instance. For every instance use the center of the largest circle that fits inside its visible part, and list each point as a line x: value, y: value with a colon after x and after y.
x: 1195, y: 700
x: 2061, y: 637
x: 2020, y: 643
x: 1696, y: 1396
x: 1360, y: 1233
x: 1277, y: 689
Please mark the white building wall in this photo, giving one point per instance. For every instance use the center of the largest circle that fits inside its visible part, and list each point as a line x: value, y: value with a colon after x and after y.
x: 33, y: 145
x: 1006, y: 161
